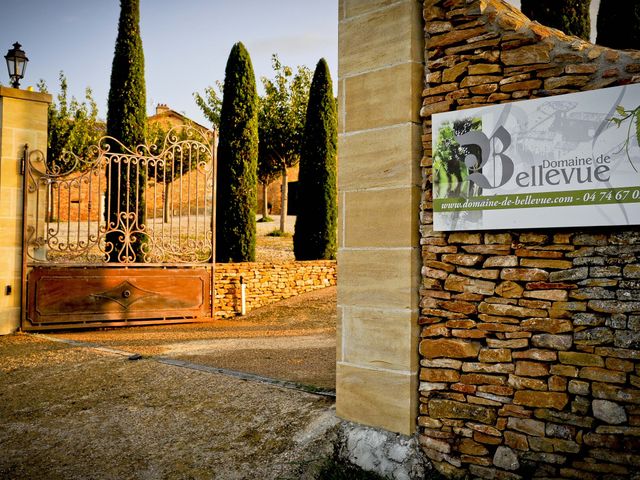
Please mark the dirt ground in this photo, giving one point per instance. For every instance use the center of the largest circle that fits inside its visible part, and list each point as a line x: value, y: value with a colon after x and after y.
x: 274, y: 249
x: 72, y: 411
x: 293, y: 340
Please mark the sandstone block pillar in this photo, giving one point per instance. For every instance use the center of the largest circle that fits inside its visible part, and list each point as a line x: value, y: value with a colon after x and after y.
x: 380, y: 75
x: 23, y: 120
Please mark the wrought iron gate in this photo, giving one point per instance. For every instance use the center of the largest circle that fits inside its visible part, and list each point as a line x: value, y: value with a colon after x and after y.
x: 121, y: 237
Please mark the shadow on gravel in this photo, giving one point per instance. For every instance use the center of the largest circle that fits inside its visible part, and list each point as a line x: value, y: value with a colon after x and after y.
x: 293, y: 341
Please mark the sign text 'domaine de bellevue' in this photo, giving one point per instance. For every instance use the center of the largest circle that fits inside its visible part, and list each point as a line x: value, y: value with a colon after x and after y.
x: 570, y: 160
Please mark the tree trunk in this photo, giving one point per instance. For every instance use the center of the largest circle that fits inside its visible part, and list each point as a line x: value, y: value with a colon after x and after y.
x: 167, y: 202
x: 265, y: 203
x: 284, y: 188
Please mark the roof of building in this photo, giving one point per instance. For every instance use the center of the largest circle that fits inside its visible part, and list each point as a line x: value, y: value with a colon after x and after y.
x: 163, y: 112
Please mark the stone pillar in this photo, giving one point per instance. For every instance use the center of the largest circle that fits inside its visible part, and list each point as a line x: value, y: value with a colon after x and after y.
x: 381, y: 70
x: 23, y: 120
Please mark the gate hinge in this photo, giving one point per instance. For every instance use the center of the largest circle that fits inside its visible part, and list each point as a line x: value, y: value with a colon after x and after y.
x: 25, y: 155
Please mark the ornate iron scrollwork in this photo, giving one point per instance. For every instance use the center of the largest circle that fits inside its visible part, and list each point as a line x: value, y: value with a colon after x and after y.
x: 69, y: 219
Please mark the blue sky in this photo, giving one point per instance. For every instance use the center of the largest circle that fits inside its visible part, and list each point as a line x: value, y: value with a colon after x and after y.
x: 186, y: 43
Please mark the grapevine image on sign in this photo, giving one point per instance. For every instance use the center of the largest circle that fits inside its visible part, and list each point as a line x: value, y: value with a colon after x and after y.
x: 563, y: 161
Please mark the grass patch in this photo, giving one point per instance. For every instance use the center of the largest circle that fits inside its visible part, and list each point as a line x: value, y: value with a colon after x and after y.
x: 265, y: 220
x: 278, y: 233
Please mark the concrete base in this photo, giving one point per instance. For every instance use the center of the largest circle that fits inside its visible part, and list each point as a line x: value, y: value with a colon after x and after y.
x: 388, y: 454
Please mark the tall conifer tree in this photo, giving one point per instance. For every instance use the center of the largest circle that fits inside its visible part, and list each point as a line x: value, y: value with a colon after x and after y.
x: 570, y: 16
x: 237, y: 161
x: 126, y: 121
x: 618, y: 24
x: 317, y: 220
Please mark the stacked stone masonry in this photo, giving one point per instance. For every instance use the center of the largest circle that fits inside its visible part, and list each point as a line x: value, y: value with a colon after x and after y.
x: 268, y: 283
x: 530, y: 360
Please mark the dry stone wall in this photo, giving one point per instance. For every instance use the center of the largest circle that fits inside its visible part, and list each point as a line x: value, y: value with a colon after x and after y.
x: 268, y: 283
x: 530, y: 340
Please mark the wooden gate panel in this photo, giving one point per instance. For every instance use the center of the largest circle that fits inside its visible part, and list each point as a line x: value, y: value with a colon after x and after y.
x: 80, y: 297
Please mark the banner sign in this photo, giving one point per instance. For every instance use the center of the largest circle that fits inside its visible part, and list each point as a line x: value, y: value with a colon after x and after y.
x: 564, y: 161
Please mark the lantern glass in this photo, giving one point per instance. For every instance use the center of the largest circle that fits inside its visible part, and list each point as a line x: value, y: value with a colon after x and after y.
x: 16, y: 64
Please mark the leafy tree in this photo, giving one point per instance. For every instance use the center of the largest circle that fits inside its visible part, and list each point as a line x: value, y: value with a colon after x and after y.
x: 570, y: 16
x: 126, y: 122
x: 237, y: 161
x: 268, y: 167
x: 618, y: 24
x: 73, y: 127
x: 317, y: 220
x: 282, y: 116
x: 211, y: 103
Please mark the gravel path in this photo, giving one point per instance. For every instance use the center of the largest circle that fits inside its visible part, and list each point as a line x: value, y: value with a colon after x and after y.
x: 293, y: 340
x: 275, y: 249
x: 72, y: 412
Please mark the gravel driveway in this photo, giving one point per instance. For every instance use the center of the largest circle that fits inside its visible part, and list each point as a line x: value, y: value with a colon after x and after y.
x: 68, y: 411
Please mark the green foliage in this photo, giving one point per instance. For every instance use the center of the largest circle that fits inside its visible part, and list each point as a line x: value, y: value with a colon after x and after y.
x: 126, y: 115
x: 281, y: 124
x: 73, y: 127
x: 316, y: 223
x: 237, y: 161
x: 570, y: 16
x: 633, y: 116
x: 618, y: 24
x: 281, y: 119
x: 126, y: 122
x: 449, y: 169
x: 281, y: 116
x: 278, y: 233
x: 211, y: 103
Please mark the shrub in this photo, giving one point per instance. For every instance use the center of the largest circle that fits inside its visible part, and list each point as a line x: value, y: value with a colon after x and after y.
x: 570, y: 16
x: 237, y: 161
x: 317, y: 219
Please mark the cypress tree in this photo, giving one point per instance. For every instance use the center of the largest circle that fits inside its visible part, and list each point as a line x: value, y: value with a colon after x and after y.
x: 570, y: 16
x: 237, y: 161
x: 126, y: 121
x: 317, y: 220
x: 618, y: 24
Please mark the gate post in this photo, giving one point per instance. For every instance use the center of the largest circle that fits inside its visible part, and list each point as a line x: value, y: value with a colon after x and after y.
x: 23, y: 120
x: 380, y: 74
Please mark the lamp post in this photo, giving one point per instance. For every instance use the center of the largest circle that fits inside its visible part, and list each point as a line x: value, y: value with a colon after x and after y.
x: 16, y: 64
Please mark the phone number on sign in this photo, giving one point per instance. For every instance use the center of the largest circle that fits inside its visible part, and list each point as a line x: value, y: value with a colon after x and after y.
x: 546, y: 199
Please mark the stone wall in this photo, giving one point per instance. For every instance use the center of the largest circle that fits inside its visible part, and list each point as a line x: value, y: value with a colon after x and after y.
x: 268, y: 283
x: 529, y: 350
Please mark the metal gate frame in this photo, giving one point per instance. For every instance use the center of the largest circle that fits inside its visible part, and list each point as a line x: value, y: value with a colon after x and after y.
x: 78, y: 266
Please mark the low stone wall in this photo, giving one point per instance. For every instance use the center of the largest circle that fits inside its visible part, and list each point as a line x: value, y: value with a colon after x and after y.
x: 268, y: 282
x: 530, y: 339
